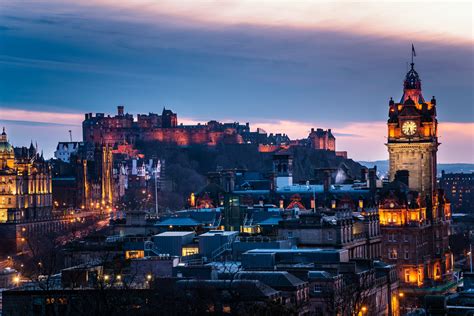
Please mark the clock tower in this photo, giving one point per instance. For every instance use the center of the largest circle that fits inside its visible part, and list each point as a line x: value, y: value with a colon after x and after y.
x: 412, y: 137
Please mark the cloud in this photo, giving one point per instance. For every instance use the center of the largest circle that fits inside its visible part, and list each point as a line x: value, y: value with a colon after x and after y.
x: 17, y: 116
x: 365, y: 140
x: 382, y: 18
x: 32, y: 123
x: 362, y: 140
x: 287, y: 65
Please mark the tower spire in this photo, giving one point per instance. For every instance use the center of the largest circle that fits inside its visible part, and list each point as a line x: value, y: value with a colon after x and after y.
x: 413, y: 54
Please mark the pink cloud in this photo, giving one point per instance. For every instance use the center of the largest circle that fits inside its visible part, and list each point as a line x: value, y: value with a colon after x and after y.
x: 362, y: 140
x: 43, y: 117
x: 365, y: 140
x: 366, y: 18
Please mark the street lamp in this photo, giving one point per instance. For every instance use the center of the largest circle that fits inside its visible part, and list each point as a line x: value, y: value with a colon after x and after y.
x: 364, y: 309
x: 470, y: 256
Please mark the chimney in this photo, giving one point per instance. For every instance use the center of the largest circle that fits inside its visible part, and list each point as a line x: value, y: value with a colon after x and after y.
x: 373, y: 179
x: 86, y: 117
x: 120, y: 110
x: 363, y: 174
x: 229, y: 179
x: 402, y: 176
x: 326, y: 180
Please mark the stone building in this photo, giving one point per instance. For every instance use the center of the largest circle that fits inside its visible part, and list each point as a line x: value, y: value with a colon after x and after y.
x: 25, y: 193
x: 459, y: 189
x: 64, y: 150
x: 322, y: 139
x: 164, y: 128
x: 414, y: 215
x: 25, y: 186
x: 358, y: 233
x: 413, y: 136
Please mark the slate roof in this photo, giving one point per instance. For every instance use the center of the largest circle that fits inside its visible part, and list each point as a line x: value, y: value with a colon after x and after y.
x: 274, y: 279
x: 319, y: 275
x: 248, y: 290
x: 178, y: 221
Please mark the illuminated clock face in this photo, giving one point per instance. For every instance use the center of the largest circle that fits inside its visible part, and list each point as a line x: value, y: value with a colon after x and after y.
x: 409, y: 128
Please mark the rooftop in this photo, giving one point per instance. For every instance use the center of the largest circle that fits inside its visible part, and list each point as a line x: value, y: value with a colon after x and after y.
x: 219, y: 232
x: 174, y: 234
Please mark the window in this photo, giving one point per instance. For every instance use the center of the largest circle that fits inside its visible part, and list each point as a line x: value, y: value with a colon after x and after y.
x: 329, y: 235
x: 392, y: 253
x: 407, y: 254
x: 392, y: 237
x: 407, y: 276
x: 317, y: 288
x: 405, y: 237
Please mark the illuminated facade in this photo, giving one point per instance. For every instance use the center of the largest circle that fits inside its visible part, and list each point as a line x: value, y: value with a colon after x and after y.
x: 123, y: 128
x: 413, y: 136
x: 321, y: 139
x: 25, y: 183
x: 414, y: 215
x: 95, y: 178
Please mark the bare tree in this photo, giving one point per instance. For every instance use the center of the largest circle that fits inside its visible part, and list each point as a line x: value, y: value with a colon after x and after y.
x: 352, y: 296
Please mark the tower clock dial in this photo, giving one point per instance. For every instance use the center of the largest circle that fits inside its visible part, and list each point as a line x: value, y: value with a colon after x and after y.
x: 409, y: 128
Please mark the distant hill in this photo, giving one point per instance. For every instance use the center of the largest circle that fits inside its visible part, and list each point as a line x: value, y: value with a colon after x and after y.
x: 187, y: 167
x: 382, y: 167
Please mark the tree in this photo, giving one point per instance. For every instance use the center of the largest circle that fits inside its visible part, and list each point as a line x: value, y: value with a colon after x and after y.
x: 352, y: 296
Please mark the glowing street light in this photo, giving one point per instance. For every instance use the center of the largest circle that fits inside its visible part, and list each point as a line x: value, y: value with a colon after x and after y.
x: 401, y: 294
x: 106, y: 278
x: 364, y: 309
x: 148, y: 277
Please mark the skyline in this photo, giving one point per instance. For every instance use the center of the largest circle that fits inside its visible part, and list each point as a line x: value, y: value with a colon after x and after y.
x: 273, y: 66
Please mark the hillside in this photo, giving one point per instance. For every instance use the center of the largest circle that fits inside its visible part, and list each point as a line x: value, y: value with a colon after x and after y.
x: 187, y: 167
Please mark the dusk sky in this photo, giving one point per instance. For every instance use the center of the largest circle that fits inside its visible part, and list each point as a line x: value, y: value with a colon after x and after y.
x: 285, y: 66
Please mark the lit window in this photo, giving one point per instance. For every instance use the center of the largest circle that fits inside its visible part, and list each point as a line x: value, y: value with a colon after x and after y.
x: 407, y: 276
x: 392, y: 253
